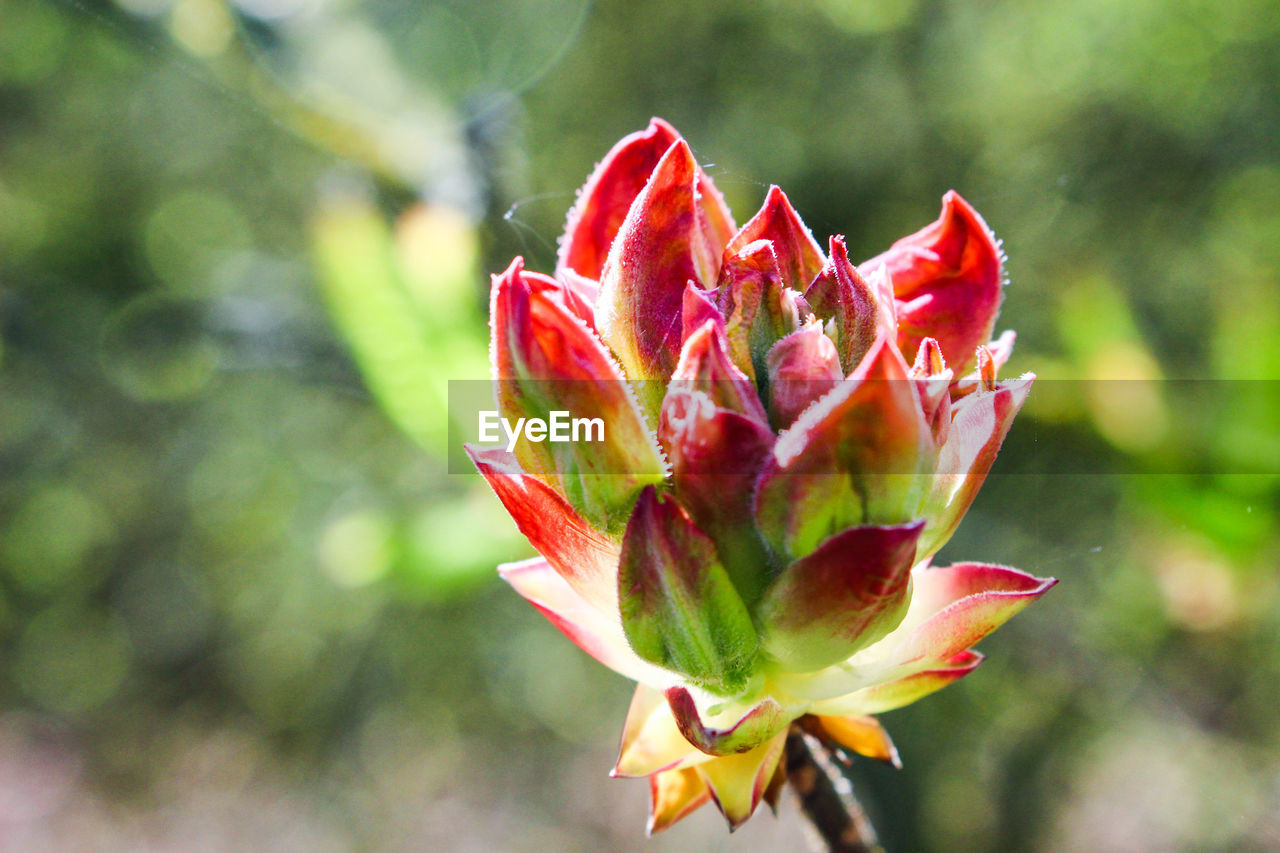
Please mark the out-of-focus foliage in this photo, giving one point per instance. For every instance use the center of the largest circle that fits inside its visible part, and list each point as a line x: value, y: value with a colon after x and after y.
x: 243, y: 247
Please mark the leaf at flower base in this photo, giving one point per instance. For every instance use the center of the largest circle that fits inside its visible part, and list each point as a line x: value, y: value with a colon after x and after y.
x: 579, y: 553
x: 755, y: 305
x: 857, y: 733
x: 596, y: 633
x: 546, y: 359
x: 715, y: 456
x: 651, y: 741
x: 679, y: 607
x: 846, y: 594
x: 841, y: 294
x: 742, y: 733
x: 803, y: 367
x: 664, y: 243
x: 979, y: 423
x: 953, y: 608
x: 705, y: 366
x: 674, y: 795
x: 902, y: 691
x: 606, y: 198
x: 947, y: 278
x: 855, y: 457
x: 738, y: 782
x: 799, y: 255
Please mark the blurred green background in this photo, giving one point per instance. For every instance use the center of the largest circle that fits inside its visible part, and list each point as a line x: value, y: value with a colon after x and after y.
x: 244, y: 245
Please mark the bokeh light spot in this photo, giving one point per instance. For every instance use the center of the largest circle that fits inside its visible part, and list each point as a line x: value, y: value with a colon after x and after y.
x: 46, y: 542
x: 71, y: 659
x: 156, y: 349
x: 356, y: 549
x: 189, y: 235
x: 23, y: 224
x: 203, y: 27
x: 860, y: 17
x: 32, y: 42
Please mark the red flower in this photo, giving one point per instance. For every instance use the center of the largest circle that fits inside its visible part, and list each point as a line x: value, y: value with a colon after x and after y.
x: 789, y: 439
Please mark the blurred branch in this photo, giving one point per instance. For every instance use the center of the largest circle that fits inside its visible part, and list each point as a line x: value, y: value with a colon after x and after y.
x: 240, y: 73
x: 835, y: 816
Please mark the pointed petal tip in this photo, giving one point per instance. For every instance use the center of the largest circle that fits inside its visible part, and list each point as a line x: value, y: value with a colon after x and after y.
x: 507, y: 571
x: 963, y: 603
x: 657, y: 124
x: 861, y: 734
x: 952, y: 200
x: 681, y: 151
x: 738, y: 783
x: 513, y: 269
x: 673, y: 796
x: 836, y: 247
x: 948, y: 278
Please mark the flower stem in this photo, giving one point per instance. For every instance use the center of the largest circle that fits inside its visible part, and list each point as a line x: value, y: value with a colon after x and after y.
x: 826, y: 798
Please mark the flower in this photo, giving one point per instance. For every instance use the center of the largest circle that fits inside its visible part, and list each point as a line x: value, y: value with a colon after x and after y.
x: 790, y: 438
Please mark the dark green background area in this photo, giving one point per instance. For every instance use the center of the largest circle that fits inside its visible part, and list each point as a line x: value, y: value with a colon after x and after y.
x: 243, y: 248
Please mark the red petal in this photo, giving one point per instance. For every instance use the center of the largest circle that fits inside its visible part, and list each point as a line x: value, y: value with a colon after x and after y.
x: 799, y: 255
x: 581, y: 294
x: 579, y: 553
x: 607, y: 196
x: 947, y: 278
x: 843, y: 596
x: 546, y: 359
x: 803, y: 366
x: 662, y: 244
x: 715, y: 457
x: 705, y: 366
x: 537, y: 333
x: 755, y: 305
x: 697, y: 309
x: 979, y: 424
x: 902, y: 691
x: 953, y: 608
x: 840, y: 293
x: 855, y: 457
